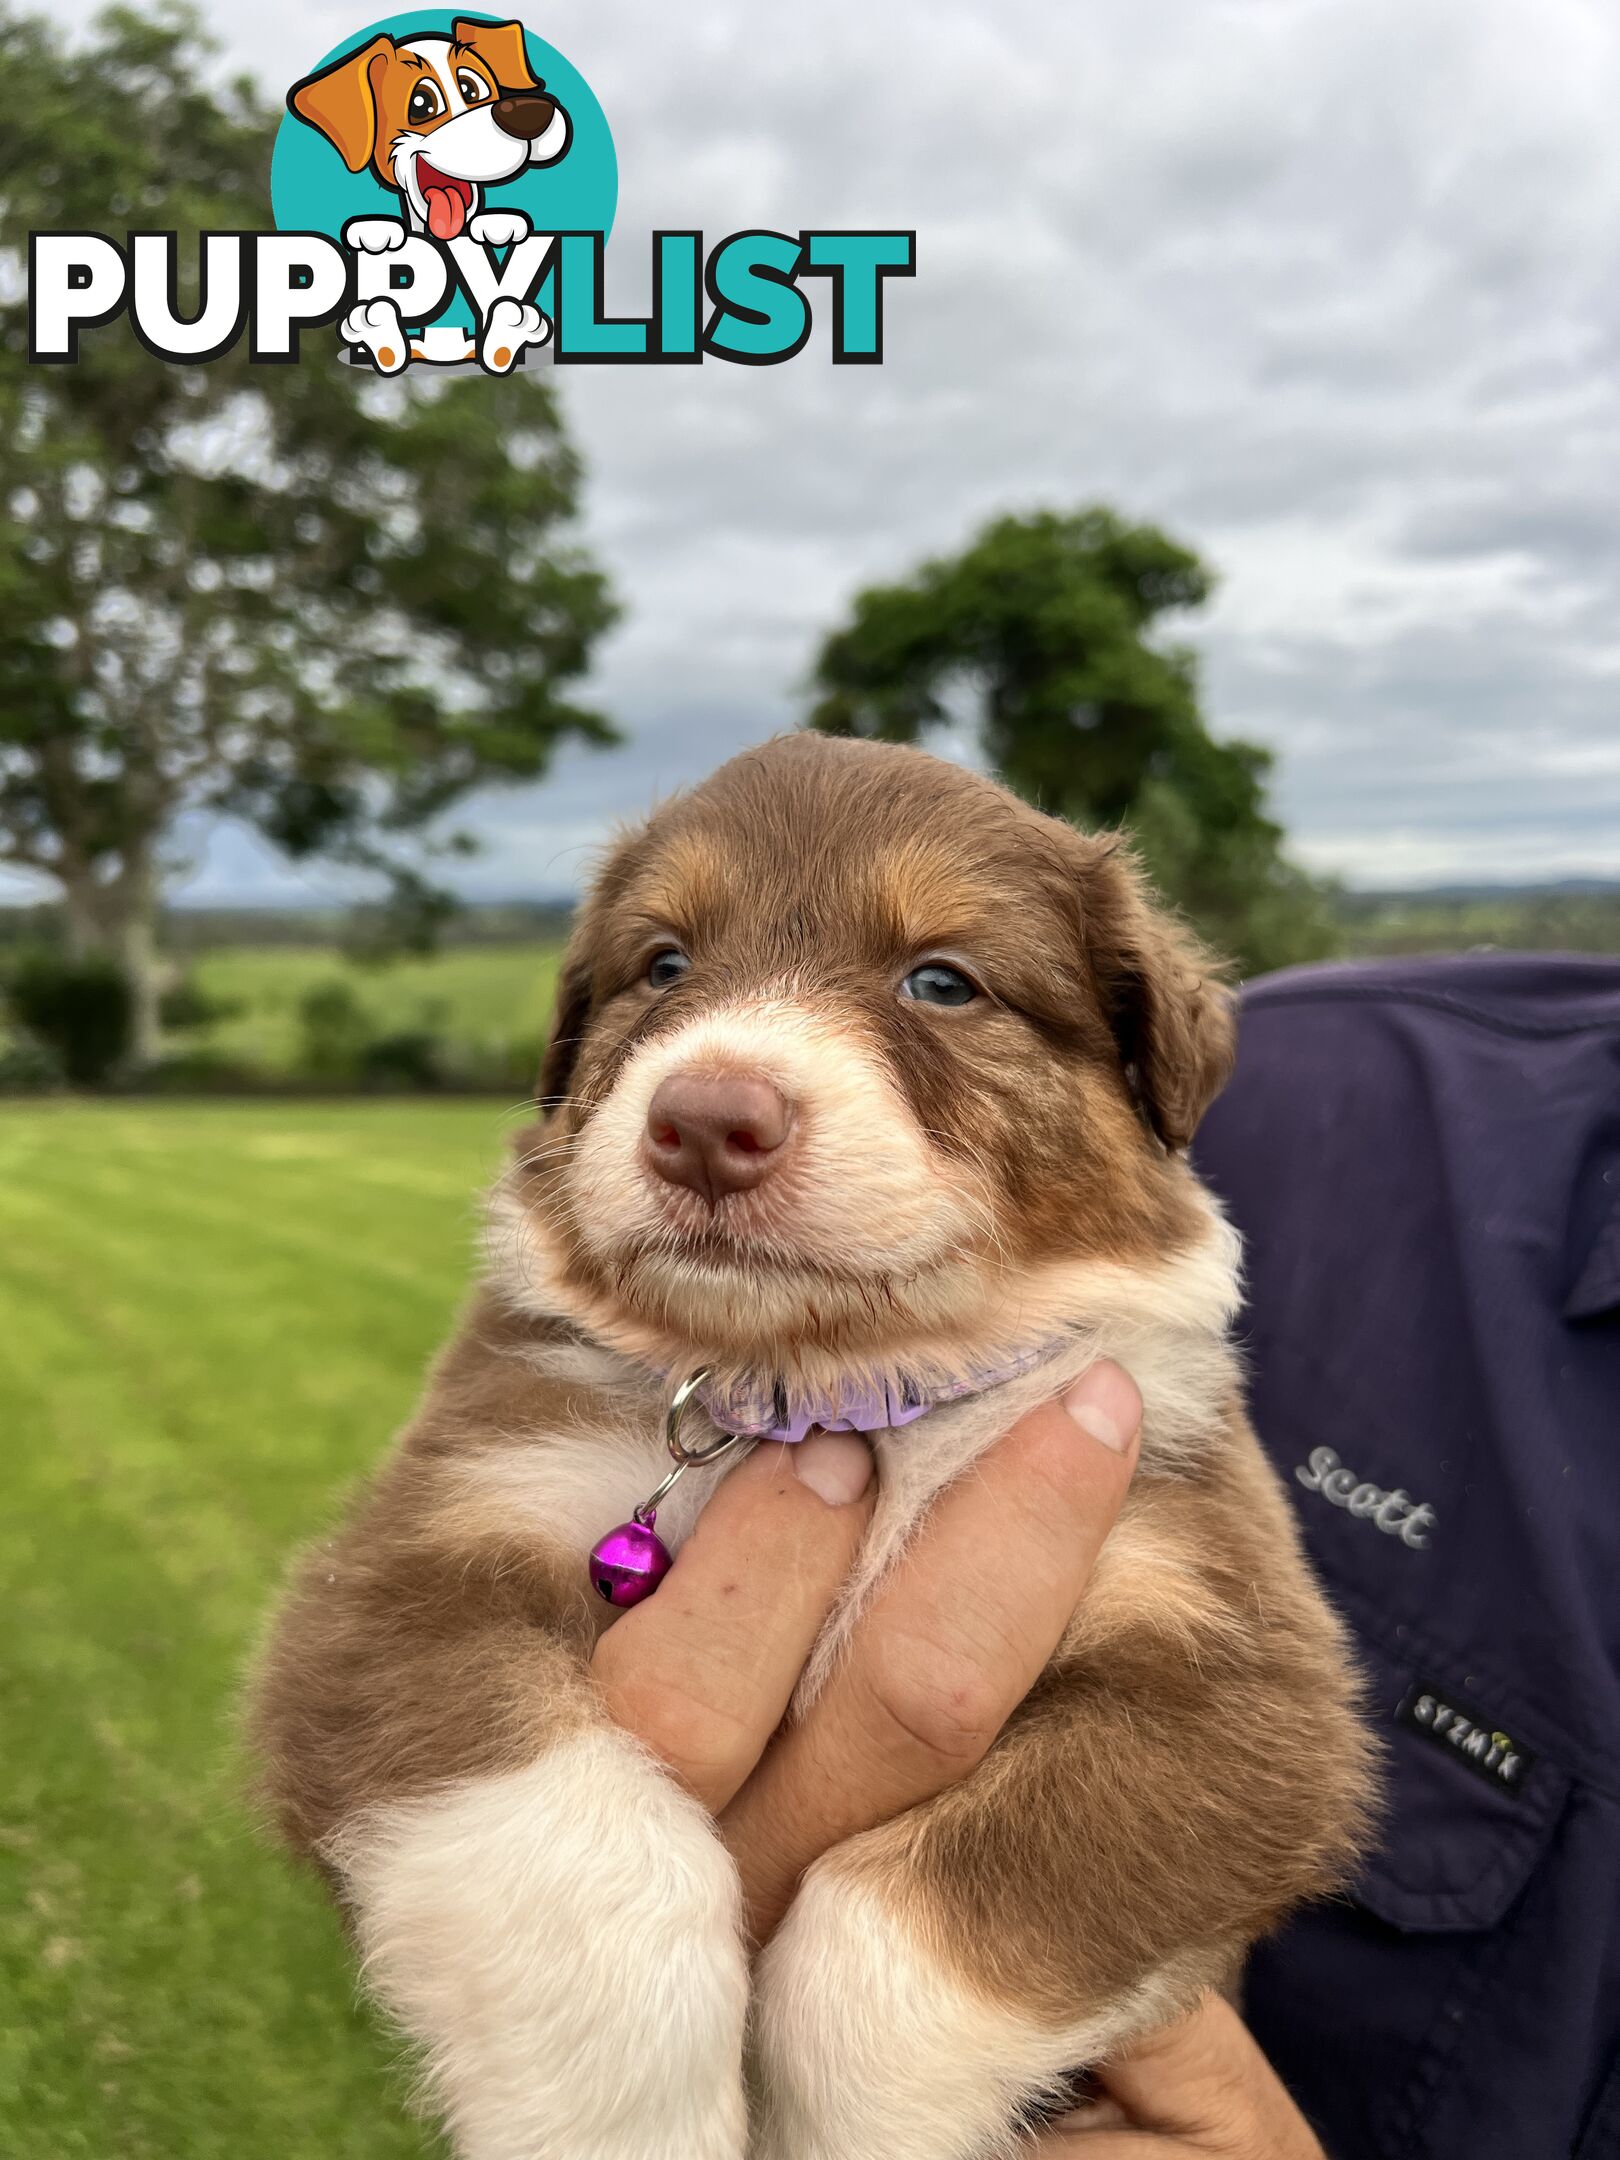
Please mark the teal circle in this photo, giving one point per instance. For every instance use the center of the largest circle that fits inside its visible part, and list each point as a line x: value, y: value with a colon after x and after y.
x: 312, y: 190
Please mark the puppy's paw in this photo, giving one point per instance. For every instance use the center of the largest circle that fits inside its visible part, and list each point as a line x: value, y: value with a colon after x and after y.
x: 499, y: 228
x: 374, y: 235
x: 563, y: 1942
x: 376, y: 328
x: 513, y: 327
x: 864, y: 2047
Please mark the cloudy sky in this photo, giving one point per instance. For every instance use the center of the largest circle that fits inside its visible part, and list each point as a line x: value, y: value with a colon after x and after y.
x: 1330, y: 287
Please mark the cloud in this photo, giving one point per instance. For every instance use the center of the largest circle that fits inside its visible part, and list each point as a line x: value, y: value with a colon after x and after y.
x: 1329, y: 288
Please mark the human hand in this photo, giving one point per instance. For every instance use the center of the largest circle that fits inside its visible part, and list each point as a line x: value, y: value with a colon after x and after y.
x: 703, y: 1673
x: 1196, y: 2090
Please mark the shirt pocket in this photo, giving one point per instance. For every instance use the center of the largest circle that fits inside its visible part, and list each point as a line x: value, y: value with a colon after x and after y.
x: 1457, y: 1845
x: 1390, y: 2012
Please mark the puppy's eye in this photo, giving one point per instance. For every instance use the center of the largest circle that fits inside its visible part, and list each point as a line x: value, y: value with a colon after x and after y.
x: 472, y: 87
x: 426, y: 104
x: 665, y: 966
x: 936, y: 984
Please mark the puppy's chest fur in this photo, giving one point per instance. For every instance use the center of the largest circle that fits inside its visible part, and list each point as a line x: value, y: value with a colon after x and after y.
x: 583, y: 1445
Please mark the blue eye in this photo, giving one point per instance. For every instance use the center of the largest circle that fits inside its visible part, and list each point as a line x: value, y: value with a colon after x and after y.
x: 936, y: 984
x: 665, y: 966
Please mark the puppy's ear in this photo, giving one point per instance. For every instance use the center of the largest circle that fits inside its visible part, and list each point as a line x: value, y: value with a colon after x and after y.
x: 341, y: 102
x: 501, y: 48
x: 1161, y: 989
x: 569, y: 1015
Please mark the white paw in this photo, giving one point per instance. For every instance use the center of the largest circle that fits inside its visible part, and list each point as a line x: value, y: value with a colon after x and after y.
x: 512, y: 326
x: 563, y: 1944
x: 374, y: 235
x: 377, y: 328
x: 499, y: 228
x: 865, y: 2048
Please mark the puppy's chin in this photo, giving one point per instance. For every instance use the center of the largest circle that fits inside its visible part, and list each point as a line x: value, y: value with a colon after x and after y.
x: 733, y: 1297
x: 805, y: 1220
x: 768, y: 1298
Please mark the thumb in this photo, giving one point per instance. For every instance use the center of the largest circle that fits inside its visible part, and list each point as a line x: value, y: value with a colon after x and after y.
x: 1061, y: 2144
x: 1200, y: 2087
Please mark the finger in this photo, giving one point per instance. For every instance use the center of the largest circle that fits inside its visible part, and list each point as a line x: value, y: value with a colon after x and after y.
x: 702, y: 1673
x: 952, y: 1643
x: 1204, y: 2080
x: 1063, y: 2144
x: 1102, y: 2131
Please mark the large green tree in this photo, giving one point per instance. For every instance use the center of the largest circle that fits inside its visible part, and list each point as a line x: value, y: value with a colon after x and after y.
x: 328, y: 604
x: 1046, y: 633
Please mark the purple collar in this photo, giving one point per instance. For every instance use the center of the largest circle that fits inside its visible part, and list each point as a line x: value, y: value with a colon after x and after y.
x: 764, y: 1411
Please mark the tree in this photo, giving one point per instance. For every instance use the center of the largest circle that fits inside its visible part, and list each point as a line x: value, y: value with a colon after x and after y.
x: 79, y: 1012
x: 1045, y: 625
x: 328, y: 604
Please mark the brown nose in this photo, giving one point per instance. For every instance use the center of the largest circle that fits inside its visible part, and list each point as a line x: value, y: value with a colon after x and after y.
x: 716, y: 1133
x: 524, y: 113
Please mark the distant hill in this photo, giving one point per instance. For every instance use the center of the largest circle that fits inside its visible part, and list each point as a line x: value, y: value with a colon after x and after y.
x: 1484, y: 890
x: 1569, y: 914
x: 189, y: 929
x: 1572, y: 915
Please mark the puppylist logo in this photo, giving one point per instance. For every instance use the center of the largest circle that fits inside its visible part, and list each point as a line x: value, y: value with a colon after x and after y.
x: 443, y: 186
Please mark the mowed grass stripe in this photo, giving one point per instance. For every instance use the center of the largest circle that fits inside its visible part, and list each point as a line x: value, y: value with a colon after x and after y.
x: 219, y: 1371
x: 236, y: 1229
x: 180, y: 1403
x: 250, y: 1232
x: 359, y: 1150
x: 229, y: 1438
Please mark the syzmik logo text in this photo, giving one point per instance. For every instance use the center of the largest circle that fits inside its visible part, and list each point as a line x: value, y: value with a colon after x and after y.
x: 443, y: 191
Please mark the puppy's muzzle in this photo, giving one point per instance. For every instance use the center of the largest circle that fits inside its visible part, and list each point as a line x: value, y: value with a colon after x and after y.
x: 717, y: 1133
x: 524, y: 114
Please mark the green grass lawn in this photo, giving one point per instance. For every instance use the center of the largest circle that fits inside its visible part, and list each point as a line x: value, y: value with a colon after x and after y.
x: 210, y: 1319
x: 485, y: 996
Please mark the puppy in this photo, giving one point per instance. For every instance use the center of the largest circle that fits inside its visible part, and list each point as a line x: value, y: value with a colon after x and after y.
x: 438, y: 120
x: 868, y: 1086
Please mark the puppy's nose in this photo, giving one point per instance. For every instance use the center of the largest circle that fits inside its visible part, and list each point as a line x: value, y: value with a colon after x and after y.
x: 716, y: 1133
x: 524, y: 113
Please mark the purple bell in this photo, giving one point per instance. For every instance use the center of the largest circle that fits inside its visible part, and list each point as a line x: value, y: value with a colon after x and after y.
x: 630, y: 1562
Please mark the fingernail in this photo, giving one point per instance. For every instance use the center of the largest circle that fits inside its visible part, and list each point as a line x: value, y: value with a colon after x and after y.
x: 837, y: 1466
x: 1104, y: 1402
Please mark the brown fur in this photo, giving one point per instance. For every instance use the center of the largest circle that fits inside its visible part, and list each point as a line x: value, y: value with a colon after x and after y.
x: 1187, y: 1770
x: 1192, y: 1763
x: 414, y: 1647
x: 359, y: 102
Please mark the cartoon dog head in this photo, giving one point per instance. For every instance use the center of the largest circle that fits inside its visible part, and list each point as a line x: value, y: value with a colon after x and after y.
x: 437, y: 118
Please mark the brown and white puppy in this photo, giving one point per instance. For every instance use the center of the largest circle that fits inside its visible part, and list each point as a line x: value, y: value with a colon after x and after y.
x: 862, y: 1071
x: 438, y: 119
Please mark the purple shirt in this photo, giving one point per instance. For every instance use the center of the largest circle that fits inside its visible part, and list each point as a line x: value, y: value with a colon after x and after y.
x: 1424, y: 1160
